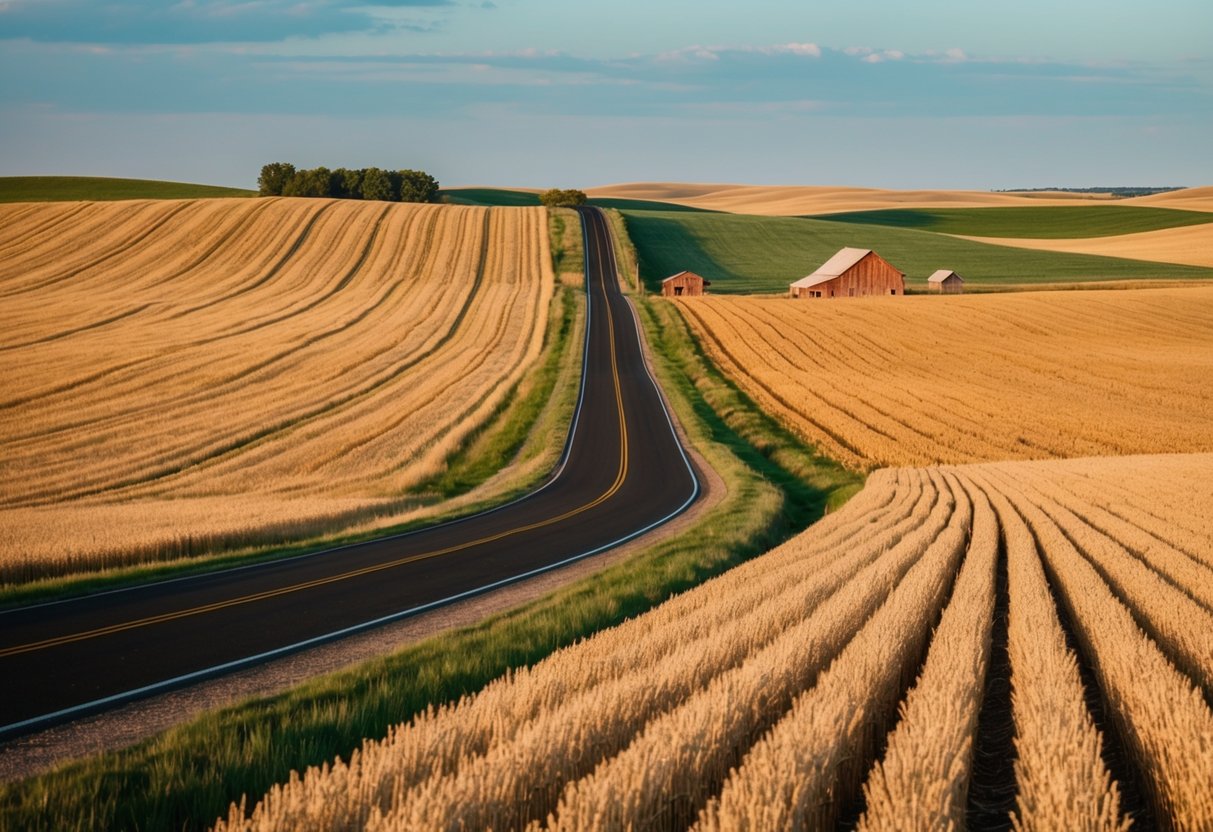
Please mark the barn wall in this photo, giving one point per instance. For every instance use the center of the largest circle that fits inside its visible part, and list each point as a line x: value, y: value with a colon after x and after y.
x: 691, y: 285
x: 870, y: 276
x: 951, y: 286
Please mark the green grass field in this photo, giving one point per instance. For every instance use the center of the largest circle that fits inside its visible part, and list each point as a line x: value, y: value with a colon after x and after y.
x: 488, y: 196
x: 1038, y: 222
x: 72, y: 188
x: 741, y: 253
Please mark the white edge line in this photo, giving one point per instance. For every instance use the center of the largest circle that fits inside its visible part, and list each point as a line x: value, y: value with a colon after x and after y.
x: 117, y: 698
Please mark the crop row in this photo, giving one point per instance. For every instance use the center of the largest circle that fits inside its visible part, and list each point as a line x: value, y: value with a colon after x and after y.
x: 182, y: 376
x: 923, y: 381
x: 846, y: 676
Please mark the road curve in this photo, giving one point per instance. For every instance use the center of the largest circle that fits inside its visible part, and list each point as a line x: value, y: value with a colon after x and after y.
x: 623, y: 472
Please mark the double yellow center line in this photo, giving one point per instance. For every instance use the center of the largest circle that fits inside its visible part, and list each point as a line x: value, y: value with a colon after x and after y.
x: 620, y: 477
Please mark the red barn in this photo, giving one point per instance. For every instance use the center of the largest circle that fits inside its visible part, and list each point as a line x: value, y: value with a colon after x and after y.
x: 684, y: 284
x: 852, y: 272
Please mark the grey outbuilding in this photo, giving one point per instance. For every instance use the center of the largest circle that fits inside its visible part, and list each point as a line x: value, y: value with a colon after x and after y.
x: 946, y: 282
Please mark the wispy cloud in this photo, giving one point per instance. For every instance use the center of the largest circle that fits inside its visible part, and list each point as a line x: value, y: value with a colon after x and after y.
x: 196, y: 21
x: 737, y: 81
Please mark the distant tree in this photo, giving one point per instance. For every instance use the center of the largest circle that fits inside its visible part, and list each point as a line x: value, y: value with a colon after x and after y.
x: 347, y: 183
x: 282, y: 178
x: 274, y: 178
x: 376, y: 184
x: 557, y: 198
x: 313, y: 182
x: 416, y: 186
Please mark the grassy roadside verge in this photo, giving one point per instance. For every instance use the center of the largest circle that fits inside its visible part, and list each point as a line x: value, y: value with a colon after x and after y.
x: 186, y: 777
x: 625, y: 252
x: 521, y: 439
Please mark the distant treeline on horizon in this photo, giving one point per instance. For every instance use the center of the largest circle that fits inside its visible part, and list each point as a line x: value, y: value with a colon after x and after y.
x: 284, y: 179
x: 1122, y: 191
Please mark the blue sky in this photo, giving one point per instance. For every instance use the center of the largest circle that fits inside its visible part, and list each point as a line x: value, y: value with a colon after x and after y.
x: 936, y: 93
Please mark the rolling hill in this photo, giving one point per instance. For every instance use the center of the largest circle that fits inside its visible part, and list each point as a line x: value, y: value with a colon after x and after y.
x: 185, y: 377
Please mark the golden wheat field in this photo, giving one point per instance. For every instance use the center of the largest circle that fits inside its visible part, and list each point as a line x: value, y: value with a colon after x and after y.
x: 856, y: 672
x: 793, y: 200
x: 927, y: 380
x: 181, y: 376
x: 1190, y: 245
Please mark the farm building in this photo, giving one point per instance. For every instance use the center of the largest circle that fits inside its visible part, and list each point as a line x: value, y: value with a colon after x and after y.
x: 852, y: 272
x: 946, y: 282
x: 684, y: 284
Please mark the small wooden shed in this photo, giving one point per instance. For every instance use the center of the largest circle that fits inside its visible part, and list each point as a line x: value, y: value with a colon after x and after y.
x: 947, y: 282
x: 852, y: 272
x: 684, y: 284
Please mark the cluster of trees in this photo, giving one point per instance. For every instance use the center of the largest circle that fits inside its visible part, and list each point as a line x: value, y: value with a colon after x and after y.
x: 283, y: 179
x: 556, y: 198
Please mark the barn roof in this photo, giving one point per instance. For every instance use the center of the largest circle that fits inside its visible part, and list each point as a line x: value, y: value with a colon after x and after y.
x: 942, y: 275
x: 832, y: 268
x: 706, y: 282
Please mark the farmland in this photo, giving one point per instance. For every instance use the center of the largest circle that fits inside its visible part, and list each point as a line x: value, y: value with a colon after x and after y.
x: 1103, y: 566
x: 183, y: 377
x: 801, y: 200
x: 1045, y: 222
x: 744, y: 254
x: 74, y: 188
x: 1190, y: 245
x: 920, y: 381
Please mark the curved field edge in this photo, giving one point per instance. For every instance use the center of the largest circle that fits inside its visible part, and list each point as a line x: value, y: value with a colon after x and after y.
x: 510, y: 453
x: 921, y: 381
x: 72, y: 188
x: 188, y: 776
x: 745, y: 254
x: 1046, y: 222
x: 764, y: 698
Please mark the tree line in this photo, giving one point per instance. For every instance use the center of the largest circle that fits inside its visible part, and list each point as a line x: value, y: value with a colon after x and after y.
x: 557, y: 198
x: 284, y: 179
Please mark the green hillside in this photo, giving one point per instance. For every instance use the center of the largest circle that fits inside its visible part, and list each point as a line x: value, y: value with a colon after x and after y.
x: 742, y: 253
x: 71, y: 188
x: 1040, y: 222
x: 488, y: 196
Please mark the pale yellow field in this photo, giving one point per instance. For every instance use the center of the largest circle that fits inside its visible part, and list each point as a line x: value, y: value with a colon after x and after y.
x: 1191, y: 199
x: 923, y: 380
x: 792, y: 200
x: 760, y: 699
x: 1190, y: 245
x: 183, y: 376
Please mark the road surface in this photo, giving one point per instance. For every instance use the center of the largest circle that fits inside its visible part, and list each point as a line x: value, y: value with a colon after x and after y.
x: 623, y: 472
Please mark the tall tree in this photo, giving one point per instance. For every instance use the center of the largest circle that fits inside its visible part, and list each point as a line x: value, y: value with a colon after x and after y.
x: 556, y: 198
x: 376, y: 184
x: 274, y: 178
x: 347, y: 183
x: 417, y: 186
x: 313, y: 182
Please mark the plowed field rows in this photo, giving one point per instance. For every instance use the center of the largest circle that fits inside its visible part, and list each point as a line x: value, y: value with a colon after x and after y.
x: 845, y: 675
x: 921, y: 381
x: 181, y: 376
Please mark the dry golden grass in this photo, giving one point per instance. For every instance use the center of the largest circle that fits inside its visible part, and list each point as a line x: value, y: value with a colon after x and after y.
x: 185, y: 376
x: 793, y: 200
x: 927, y: 380
x: 1190, y: 245
x: 1191, y: 199
x: 759, y: 700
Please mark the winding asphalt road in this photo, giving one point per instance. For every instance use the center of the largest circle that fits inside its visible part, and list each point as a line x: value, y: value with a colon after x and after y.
x: 623, y: 473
